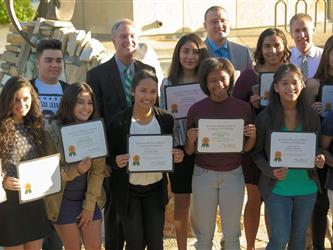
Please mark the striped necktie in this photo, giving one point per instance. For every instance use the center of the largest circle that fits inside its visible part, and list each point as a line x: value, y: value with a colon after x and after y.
x: 304, y: 66
x: 128, y: 85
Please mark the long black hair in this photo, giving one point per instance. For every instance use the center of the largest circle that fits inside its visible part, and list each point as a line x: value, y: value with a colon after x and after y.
x: 275, y: 108
x: 65, y: 114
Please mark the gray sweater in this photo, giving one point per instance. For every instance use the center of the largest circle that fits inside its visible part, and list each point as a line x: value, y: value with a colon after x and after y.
x: 261, y: 151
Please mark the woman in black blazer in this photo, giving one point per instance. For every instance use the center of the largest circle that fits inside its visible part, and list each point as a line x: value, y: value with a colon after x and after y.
x: 140, y: 197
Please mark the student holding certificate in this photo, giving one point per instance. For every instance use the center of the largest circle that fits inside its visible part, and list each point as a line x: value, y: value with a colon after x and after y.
x: 271, y: 51
x: 315, y: 93
x: 326, y: 140
x: 22, y: 137
x: 140, y: 197
x: 189, y: 52
x: 217, y: 178
x: 76, y: 210
x: 289, y: 194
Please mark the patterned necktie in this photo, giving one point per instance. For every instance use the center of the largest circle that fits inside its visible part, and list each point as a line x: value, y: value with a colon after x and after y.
x: 304, y: 66
x: 128, y: 85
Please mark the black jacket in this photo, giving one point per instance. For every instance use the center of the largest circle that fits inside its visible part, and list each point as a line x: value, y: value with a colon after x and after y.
x: 118, y: 131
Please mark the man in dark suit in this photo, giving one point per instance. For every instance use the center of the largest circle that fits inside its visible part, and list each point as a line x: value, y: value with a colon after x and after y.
x: 109, y: 82
x: 217, y: 26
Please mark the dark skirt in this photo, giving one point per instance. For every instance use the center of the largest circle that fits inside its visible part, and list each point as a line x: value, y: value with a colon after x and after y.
x: 250, y: 170
x: 21, y: 223
x: 72, y: 201
x: 181, y: 178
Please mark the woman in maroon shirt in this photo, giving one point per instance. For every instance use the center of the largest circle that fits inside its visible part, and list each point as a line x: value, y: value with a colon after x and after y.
x: 217, y: 178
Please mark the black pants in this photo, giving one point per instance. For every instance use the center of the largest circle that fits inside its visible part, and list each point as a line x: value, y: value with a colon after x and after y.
x: 319, y: 216
x: 114, y: 238
x: 143, y: 227
x: 52, y: 241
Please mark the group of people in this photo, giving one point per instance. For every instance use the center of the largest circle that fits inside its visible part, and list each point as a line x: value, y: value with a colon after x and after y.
x: 124, y: 92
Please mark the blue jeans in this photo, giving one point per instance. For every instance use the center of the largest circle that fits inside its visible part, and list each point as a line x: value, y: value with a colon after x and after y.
x: 288, y: 218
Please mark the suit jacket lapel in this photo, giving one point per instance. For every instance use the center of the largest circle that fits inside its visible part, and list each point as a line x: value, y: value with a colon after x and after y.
x: 233, y: 55
x: 116, y: 83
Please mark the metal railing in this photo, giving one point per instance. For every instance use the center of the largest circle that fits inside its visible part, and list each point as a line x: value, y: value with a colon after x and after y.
x: 283, y: 2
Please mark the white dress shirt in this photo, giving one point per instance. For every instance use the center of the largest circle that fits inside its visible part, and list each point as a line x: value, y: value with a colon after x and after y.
x: 312, y: 56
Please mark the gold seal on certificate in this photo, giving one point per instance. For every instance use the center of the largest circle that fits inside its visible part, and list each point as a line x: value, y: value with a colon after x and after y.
x: 3, y: 196
x: 266, y: 80
x: 84, y: 139
x: 180, y: 97
x: 39, y: 177
x: 220, y: 135
x: 150, y: 153
x: 326, y: 100
x: 293, y: 149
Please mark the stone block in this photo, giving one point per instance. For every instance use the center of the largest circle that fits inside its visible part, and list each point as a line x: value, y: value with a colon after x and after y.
x: 80, y: 47
x: 6, y: 66
x: 15, y: 39
x: 74, y: 40
x: 10, y: 57
x: 91, y: 49
x: 62, y: 35
x: 58, y: 24
x: 76, y: 73
x: 13, y: 71
x: 13, y: 48
x: 5, y: 78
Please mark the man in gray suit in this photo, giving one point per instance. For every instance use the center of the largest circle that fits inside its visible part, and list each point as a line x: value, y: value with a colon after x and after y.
x: 217, y: 26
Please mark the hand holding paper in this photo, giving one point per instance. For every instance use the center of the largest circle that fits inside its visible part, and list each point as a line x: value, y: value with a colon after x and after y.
x: 11, y: 183
x: 250, y: 130
x: 84, y: 165
x: 280, y: 173
x: 320, y: 161
x: 178, y: 155
x: 122, y: 160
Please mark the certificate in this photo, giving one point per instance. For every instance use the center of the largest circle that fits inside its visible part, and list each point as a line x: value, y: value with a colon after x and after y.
x: 180, y: 97
x: 3, y: 196
x: 266, y: 80
x: 150, y: 153
x: 326, y: 100
x: 220, y: 135
x: 84, y: 139
x: 293, y: 149
x: 39, y: 177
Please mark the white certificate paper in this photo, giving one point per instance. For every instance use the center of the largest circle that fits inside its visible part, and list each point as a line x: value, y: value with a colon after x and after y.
x: 266, y: 80
x: 180, y: 97
x: 84, y: 139
x: 39, y: 177
x: 150, y: 153
x: 3, y: 196
x: 326, y: 100
x: 220, y: 135
x: 293, y: 149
